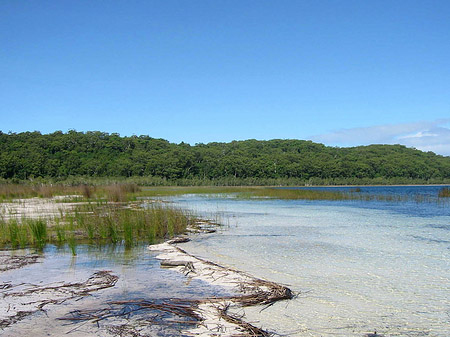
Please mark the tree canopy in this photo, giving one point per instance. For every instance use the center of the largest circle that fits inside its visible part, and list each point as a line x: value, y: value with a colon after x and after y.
x: 100, y: 154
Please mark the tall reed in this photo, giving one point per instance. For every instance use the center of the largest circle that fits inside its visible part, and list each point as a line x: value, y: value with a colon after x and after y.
x: 118, y: 224
x: 72, y: 244
x: 103, y: 223
x: 39, y: 231
x: 13, y: 228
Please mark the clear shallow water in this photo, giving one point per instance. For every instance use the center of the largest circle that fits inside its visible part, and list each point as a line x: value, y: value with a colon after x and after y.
x: 359, y: 266
x: 140, y: 278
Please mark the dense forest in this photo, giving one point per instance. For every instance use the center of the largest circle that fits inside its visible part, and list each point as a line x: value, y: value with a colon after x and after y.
x: 31, y: 155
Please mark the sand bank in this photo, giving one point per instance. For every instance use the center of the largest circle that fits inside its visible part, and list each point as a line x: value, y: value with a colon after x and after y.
x: 219, y: 314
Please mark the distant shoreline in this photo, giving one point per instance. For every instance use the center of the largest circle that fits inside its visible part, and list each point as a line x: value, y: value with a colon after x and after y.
x: 395, y: 185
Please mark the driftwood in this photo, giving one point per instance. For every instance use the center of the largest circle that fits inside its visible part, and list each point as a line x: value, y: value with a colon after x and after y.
x: 250, y: 330
x: 258, y: 291
x: 251, y: 291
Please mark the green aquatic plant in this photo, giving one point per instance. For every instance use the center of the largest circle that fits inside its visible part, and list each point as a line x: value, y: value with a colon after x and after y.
x: 128, y: 233
x: 23, y: 236
x: 38, y: 229
x: 305, y: 194
x: 111, y: 226
x: 170, y: 227
x: 90, y: 230
x: 151, y: 235
x: 98, y: 222
x: 72, y: 243
x: 60, y: 233
x: 13, y: 229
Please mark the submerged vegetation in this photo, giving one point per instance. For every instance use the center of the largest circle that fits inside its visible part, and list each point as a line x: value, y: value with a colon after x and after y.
x: 80, y: 157
x: 351, y: 194
x: 444, y: 192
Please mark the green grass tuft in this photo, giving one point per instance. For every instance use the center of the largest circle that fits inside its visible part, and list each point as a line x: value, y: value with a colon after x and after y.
x: 13, y: 228
x: 39, y: 232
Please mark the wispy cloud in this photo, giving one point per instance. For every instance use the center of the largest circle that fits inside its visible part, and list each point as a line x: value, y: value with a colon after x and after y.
x: 424, y: 135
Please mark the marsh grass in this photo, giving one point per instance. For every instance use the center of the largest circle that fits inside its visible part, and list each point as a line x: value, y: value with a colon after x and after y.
x: 269, y: 192
x: 72, y: 243
x: 90, y: 230
x: 126, y: 192
x: 128, y: 234
x: 16, y: 233
x: 23, y: 236
x: 87, y: 191
x: 13, y: 229
x: 277, y: 193
x: 38, y: 229
x: 314, y: 194
x: 244, y: 192
x: 98, y: 223
x: 177, y: 190
x: 117, y: 192
x: 14, y: 191
x: 151, y: 235
x: 109, y: 217
x: 117, y: 224
x: 111, y: 232
x: 60, y: 231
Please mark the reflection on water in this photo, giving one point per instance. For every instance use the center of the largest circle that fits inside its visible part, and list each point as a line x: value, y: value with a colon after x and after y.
x: 359, y: 266
x: 140, y: 278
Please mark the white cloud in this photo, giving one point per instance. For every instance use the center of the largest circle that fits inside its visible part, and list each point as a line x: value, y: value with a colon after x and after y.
x: 424, y: 135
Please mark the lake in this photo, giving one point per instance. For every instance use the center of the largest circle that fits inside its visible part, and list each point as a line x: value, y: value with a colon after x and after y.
x: 140, y: 278
x: 358, y: 266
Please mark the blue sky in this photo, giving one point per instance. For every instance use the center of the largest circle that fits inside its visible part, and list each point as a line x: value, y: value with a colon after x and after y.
x: 339, y: 72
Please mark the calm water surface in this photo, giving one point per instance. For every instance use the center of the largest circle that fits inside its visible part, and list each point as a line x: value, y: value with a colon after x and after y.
x: 359, y: 266
x: 140, y: 278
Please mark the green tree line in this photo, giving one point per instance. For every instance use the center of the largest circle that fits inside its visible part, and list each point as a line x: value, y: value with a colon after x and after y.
x: 98, y: 154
